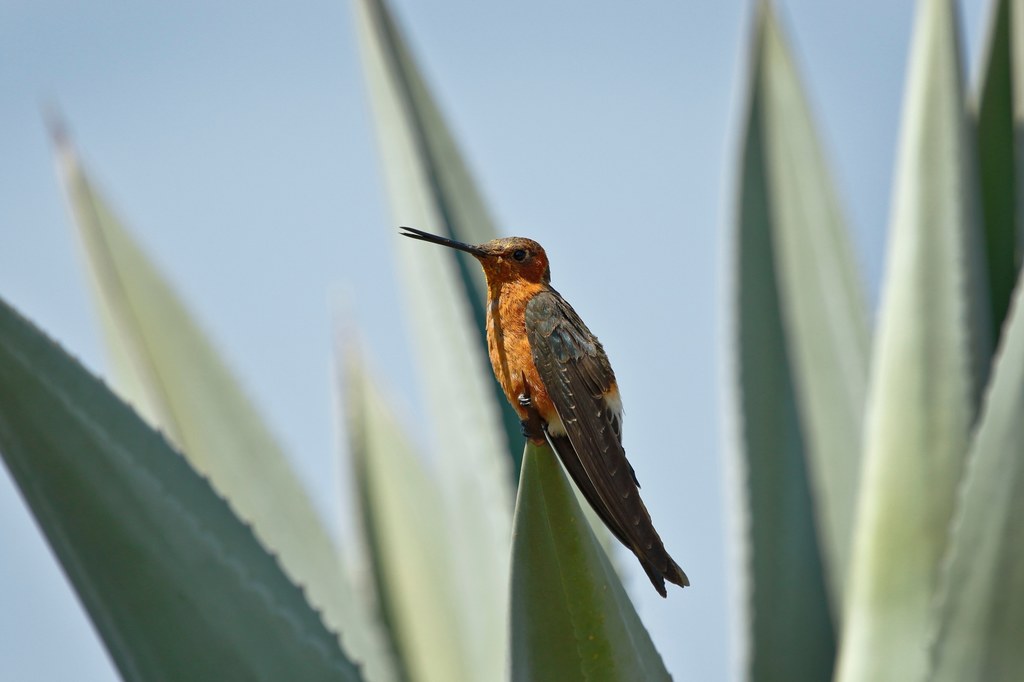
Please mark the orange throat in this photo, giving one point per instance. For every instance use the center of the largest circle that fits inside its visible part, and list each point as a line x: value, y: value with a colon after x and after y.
x: 509, y: 346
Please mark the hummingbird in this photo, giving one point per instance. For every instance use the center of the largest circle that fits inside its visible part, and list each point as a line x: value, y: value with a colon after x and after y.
x: 557, y: 377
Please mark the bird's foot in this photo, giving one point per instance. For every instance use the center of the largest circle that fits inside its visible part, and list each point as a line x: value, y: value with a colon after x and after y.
x: 533, y: 427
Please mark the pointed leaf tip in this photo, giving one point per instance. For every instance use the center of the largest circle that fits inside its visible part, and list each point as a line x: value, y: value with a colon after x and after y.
x: 996, y: 132
x: 55, y: 124
x: 930, y: 357
x: 801, y: 357
x: 570, y: 616
x: 824, y: 314
x: 172, y: 374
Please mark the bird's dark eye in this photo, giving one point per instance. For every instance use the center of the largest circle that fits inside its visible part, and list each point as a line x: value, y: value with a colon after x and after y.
x: 519, y: 254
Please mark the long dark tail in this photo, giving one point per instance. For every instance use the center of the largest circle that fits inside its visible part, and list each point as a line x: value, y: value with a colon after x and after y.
x: 653, y: 557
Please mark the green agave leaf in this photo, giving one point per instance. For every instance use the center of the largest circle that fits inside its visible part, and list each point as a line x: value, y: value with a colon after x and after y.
x: 176, y: 585
x: 474, y: 466
x: 166, y: 367
x: 571, y: 618
x: 801, y: 355
x: 459, y: 211
x: 931, y: 348
x: 824, y: 314
x: 400, y: 504
x: 997, y: 145
x: 1017, y: 76
x: 981, y: 592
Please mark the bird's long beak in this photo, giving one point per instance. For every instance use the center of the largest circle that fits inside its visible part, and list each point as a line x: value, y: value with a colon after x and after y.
x: 443, y: 241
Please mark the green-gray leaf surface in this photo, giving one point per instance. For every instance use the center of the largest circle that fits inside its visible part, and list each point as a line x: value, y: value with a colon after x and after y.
x: 474, y: 465
x: 571, y: 618
x: 165, y: 366
x: 930, y: 356
x: 824, y: 315
x: 176, y: 585
x: 800, y: 344
x: 401, y: 509
x: 996, y: 131
x: 981, y: 594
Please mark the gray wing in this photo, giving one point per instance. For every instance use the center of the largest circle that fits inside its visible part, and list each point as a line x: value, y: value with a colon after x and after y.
x: 576, y: 375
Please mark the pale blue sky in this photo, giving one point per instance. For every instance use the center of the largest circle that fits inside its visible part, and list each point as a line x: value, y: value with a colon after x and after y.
x: 235, y: 139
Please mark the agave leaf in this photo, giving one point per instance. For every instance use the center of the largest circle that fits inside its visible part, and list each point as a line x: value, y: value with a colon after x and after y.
x: 779, y: 234
x: 474, y: 465
x: 400, y: 504
x: 981, y: 592
x: 996, y: 134
x: 176, y: 585
x: 1016, y: 20
x: 824, y: 317
x: 571, y: 618
x: 166, y: 367
x: 931, y: 347
x: 459, y: 211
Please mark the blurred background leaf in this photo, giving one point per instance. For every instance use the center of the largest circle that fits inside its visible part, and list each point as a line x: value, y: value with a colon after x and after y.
x: 980, y: 596
x: 821, y: 300
x: 458, y: 209
x: 931, y: 354
x: 473, y: 462
x: 164, y: 364
x: 175, y: 584
x: 410, y: 549
x: 996, y: 128
x: 802, y: 353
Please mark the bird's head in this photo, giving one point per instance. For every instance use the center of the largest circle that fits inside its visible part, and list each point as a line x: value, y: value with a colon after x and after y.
x: 504, y: 260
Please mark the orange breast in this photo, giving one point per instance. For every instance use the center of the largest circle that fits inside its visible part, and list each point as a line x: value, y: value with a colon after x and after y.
x: 509, y: 347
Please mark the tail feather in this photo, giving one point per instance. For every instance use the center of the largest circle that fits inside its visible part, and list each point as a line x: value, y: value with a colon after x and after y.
x: 655, y: 560
x: 657, y: 579
x: 672, y: 573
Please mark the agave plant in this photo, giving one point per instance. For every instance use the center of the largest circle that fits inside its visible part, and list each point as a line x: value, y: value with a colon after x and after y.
x: 880, y: 482
x: 880, y: 489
